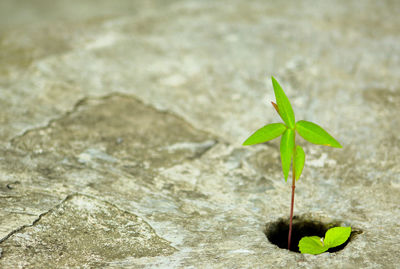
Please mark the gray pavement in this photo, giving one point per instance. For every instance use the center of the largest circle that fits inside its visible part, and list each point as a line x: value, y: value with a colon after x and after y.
x: 121, y: 125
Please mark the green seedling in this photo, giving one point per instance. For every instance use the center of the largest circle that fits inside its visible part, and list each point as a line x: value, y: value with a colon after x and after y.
x: 288, y: 148
x: 316, y: 245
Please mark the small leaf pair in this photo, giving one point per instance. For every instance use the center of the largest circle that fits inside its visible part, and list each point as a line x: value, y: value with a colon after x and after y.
x: 316, y: 245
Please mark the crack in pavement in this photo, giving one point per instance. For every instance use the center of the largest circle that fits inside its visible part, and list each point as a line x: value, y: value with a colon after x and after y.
x: 68, y: 197
x: 81, y: 102
x: 85, y: 100
x: 75, y: 107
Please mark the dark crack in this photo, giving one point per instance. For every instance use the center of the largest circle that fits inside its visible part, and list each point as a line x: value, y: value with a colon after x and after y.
x: 66, y: 199
x: 83, y: 101
x: 51, y: 121
x: 21, y: 228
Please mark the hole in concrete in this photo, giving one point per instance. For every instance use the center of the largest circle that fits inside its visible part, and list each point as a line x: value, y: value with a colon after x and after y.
x: 277, y: 232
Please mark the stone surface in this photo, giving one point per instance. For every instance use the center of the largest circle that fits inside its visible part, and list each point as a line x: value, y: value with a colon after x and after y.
x: 121, y: 129
x: 83, y: 231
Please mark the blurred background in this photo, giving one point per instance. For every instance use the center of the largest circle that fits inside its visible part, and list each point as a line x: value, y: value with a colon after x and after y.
x: 214, y: 54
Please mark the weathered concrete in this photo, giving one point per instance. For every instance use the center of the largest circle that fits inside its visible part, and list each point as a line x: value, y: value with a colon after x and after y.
x: 121, y: 125
x: 83, y: 231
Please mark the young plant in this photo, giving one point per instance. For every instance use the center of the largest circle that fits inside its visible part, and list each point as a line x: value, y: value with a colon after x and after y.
x: 288, y: 148
x: 316, y: 245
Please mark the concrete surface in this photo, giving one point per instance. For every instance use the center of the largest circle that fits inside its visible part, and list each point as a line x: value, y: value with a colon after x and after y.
x: 121, y: 125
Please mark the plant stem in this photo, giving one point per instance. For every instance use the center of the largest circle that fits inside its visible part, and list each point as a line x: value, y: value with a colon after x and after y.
x: 293, y: 188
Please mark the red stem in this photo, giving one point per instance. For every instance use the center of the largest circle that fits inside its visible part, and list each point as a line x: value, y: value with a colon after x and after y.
x: 293, y: 188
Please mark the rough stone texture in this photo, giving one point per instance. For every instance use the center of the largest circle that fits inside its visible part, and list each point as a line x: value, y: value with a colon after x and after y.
x: 121, y: 129
x: 82, y: 231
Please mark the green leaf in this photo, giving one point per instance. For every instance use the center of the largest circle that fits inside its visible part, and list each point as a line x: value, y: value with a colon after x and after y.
x: 287, y: 146
x: 333, y: 237
x: 266, y: 133
x: 315, y: 134
x: 285, y: 109
x: 299, y: 159
x: 312, y: 245
x: 336, y: 236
